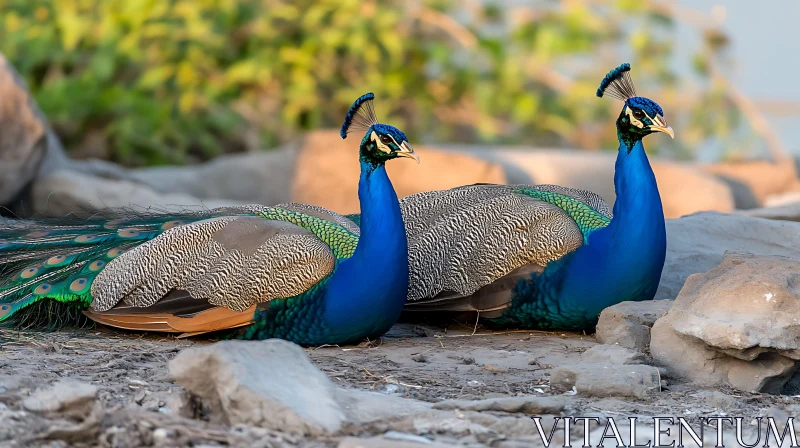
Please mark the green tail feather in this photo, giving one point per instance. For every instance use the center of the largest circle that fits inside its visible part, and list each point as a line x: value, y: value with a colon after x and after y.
x: 47, y: 266
x: 587, y: 218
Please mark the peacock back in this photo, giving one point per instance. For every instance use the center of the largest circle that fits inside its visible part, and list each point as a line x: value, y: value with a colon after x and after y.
x: 469, y: 246
x: 186, y: 272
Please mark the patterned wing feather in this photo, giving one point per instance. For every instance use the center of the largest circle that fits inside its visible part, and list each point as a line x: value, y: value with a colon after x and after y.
x: 59, y: 265
x: 469, y: 237
x: 233, y: 262
x: 465, y: 241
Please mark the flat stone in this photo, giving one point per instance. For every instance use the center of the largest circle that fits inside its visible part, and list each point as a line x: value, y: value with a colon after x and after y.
x: 67, y: 396
x: 437, y: 424
x: 607, y: 380
x: 612, y: 354
x: 362, y: 407
x: 784, y: 212
x: 519, y: 426
x: 264, y: 383
x: 718, y: 399
x: 735, y: 324
x: 628, y: 324
x: 383, y: 442
x: 531, y: 405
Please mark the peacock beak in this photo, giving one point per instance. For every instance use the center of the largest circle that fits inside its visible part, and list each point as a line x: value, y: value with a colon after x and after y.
x: 665, y: 129
x: 662, y: 126
x: 407, y: 151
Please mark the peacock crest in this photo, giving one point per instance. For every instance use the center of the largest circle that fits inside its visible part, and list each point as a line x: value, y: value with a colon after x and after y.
x: 618, y: 83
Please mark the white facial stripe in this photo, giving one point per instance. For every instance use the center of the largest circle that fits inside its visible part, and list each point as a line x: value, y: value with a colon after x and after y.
x: 381, y: 147
x: 633, y: 119
x: 657, y: 120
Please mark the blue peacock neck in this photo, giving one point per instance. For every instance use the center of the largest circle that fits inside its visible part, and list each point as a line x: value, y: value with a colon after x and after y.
x: 368, y: 290
x: 622, y: 261
x: 638, y: 212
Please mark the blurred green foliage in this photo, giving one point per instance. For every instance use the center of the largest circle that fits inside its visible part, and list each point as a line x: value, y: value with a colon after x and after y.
x: 147, y: 82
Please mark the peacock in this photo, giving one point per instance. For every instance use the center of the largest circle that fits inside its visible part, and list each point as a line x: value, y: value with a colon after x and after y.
x: 544, y: 256
x: 291, y: 271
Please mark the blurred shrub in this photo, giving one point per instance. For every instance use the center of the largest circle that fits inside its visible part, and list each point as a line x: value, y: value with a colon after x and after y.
x: 168, y: 81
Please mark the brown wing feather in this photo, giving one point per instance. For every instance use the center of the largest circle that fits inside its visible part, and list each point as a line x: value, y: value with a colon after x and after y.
x: 493, y: 298
x: 214, y: 319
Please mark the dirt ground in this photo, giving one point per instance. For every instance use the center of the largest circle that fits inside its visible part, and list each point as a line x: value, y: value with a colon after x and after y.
x: 427, y: 363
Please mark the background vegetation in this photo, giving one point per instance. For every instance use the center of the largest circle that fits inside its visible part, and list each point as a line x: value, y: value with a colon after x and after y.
x: 147, y: 82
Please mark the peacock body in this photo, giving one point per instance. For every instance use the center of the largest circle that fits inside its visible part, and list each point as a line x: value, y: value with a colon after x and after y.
x: 544, y: 256
x: 292, y: 271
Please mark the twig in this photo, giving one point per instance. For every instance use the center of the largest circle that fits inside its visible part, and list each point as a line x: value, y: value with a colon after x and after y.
x: 775, y: 146
x: 447, y: 24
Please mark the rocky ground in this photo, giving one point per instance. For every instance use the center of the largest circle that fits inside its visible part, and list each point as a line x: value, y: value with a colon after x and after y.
x: 449, y: 385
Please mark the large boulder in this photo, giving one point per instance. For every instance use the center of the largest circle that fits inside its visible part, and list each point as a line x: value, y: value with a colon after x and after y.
x: 23, y: 134
x: 320, y: 169
x: 788, y: 211
x: 327, y: 169
x: 697, y: 243
x: 736, y: 324
x: 684, y: 188
x: 754, y: 182
x: 258, y: 178
x: 67, y: 191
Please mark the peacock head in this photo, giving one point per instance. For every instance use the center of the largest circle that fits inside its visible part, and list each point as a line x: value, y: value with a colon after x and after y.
x: 640, y: 116
x: 381, y: 142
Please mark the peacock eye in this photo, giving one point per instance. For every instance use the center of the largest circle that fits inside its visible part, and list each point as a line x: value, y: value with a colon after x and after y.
x: 637, y: 113
x: 386, y: 140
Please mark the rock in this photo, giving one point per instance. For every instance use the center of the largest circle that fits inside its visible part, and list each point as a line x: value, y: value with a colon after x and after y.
x: 68, y: 191
x: 696, y: 243
x: 519, y: 426
x: 627, y: 324
x: 266, y: 383
x: 437, y: 424
x: 362, y: 407
x: 736, y: 324
x: 789, y: 211
x: 684, y: 188
x: 607, y: 380
x: 531, y: 405
x: 327, y: 169
x: 67, y: 396
x: 320, y: 169
x: 402, y: 436
x: 272, y: 384
x: 718, y: 400
x: 384, y: 442
x: 752, y: 182
x: 23, y: 134
x: 259, y: 178
x: 612, y: 354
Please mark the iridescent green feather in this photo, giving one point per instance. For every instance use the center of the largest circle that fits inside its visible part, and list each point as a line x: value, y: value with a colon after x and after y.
x: 342, y: 242
x: 58, y: 259
x: 587, y: 218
